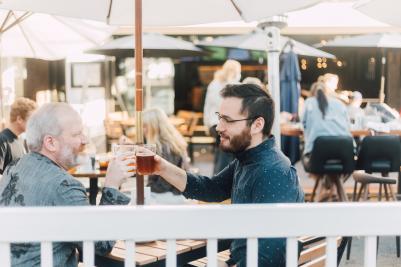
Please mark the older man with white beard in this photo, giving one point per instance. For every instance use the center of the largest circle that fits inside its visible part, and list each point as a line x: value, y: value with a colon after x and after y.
x: 40, y: 178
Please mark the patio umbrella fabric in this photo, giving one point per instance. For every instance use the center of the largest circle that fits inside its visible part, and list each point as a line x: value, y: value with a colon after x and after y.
x: 257, y: 40
x: 154, y: 45
x: 48, y: 37
x: 161, y: 12
x: 383, y: 10
x: 290, y: 90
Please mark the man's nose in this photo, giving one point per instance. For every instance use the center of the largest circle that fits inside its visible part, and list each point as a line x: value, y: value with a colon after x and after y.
x: 219, y: 127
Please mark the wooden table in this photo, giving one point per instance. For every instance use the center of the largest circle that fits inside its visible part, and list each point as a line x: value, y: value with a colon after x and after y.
x: 153, y: 254
x: 93, y: 182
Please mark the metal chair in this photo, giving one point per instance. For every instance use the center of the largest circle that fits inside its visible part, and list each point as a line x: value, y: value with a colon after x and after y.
x: 331, y: 159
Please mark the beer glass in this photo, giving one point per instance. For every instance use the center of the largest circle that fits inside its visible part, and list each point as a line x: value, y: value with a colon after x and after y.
x: 124, y: 149
x: 145, y: 162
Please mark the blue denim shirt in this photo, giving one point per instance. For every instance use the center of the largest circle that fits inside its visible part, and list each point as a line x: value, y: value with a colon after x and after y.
x: 258, y: 175
x: 35, y: 180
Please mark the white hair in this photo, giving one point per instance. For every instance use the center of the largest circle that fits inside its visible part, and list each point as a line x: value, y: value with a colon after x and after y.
x: 46, y: 121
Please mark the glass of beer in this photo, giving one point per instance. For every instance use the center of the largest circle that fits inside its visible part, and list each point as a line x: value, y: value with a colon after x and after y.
x: 145, y: 162
x: 124, y: 149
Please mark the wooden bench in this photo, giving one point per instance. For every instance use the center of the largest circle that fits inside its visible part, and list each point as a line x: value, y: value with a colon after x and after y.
x: 313, y: 253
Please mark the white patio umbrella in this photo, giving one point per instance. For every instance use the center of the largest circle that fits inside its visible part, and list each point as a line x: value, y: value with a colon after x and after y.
x: 161, y: 12
x: 382, y: 41
x: 28, y: 35
x: 383, y: 10
x: 257, y: 41
x: 154, y: 45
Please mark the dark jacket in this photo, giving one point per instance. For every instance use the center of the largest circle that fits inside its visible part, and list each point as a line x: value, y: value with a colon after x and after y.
x: 258, y: 175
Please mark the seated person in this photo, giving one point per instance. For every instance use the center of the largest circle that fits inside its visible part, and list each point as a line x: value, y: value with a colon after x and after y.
x: 354, y: 108
x: 40, y: 178
x: 11, y: 147
x: 170, y: 145
x: 260, y: 173
x: 323, y: 115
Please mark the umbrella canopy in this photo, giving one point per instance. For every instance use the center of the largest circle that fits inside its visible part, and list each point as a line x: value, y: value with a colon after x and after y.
x: 154, y: 45
x: 257, y: 41
x: 377, y: 40
x: 161, y: 12
x: 290, y: 91
x: 383, y: 10
x: 48, y: 37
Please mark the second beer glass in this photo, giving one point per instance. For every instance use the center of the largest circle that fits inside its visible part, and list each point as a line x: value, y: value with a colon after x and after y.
x: 145, y: 162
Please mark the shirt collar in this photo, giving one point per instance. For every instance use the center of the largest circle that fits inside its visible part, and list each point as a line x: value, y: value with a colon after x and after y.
x: 254, y: 152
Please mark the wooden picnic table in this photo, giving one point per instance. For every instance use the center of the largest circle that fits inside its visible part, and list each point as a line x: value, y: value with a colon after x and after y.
x: 153, y: 254
x: 93, y: 177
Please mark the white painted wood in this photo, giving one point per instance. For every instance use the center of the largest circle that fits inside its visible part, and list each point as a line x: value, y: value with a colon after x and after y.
x: 46, y: 254
x: 252, y: 252
x: 370, y: 251
x: 331, y: 252
x: 5, y: 256
x: 147, y: 223
x: 89, y: 253
x: 171, y: 253
x: 292, y: 252
x: 129, y: 253
x: 56, y: 224
x: 212, y: 252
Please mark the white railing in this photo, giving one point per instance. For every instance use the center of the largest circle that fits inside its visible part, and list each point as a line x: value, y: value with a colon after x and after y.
x: 213, y: 222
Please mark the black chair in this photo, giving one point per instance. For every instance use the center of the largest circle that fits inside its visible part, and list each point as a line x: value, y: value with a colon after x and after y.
x: 331, y: 159
x: 377, y: 154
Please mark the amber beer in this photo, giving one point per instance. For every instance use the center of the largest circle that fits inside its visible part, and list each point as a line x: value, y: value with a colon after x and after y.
x: 145, y: 159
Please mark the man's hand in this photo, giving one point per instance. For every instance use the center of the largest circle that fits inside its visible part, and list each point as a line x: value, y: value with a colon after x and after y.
x: 120, y: 168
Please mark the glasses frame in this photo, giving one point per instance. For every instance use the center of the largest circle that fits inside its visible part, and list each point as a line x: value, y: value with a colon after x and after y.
x: 226, y: 121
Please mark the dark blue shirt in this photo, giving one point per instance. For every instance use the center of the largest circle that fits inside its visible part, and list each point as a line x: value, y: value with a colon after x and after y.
x: 258, y: 175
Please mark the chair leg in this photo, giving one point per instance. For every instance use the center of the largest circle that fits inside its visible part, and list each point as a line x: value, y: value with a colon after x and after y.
x: 392, y: 195
x: 386, y: 193
x: 314, y: 189
x: 349, y: 248
x: 380, y: 192
x: 366, y: 192
x: 354, y: 193
x: 340, y: 189
x: 360, y: 192
x: 397, y: 242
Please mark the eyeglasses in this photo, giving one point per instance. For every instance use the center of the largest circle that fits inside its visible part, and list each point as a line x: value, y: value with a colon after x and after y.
x: 227, y: 121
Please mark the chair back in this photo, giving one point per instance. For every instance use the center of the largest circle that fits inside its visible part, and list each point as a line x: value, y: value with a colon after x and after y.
x: 332, y: 155
x: 379, y: 154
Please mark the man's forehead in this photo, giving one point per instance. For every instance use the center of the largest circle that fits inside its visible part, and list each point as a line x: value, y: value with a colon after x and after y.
x: 231, y: 106
x: 71, y: 122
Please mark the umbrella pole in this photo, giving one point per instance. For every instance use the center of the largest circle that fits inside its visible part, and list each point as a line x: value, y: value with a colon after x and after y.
x: 273, y: 70
x: 382, y: 78
x: 138, y: 94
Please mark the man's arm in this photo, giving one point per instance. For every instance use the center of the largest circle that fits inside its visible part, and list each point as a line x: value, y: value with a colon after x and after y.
x: 217, y: 188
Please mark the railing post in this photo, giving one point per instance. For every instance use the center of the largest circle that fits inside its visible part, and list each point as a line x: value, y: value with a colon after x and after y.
x: 370, y: 251
x: 46, y: 255
x: 292, y: 252
x: 331, y: 252
x: 5, y: 259
x: 130, y: 253
x: 252, y: 252
x: 171, y: 253
x: 212, y: 252
x: 89, y: 253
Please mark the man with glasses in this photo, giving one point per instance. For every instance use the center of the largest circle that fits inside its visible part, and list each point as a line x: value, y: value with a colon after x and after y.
x: 260, y: 172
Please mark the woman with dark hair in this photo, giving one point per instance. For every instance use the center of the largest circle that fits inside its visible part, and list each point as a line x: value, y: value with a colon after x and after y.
x: 323, y: 115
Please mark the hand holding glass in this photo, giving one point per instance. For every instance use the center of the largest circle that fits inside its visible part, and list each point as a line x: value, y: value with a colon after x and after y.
x: 145, y: 161
x: 125, y: 149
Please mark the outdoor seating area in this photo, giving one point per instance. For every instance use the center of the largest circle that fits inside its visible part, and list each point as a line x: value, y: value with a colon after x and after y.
x: 188, y: 133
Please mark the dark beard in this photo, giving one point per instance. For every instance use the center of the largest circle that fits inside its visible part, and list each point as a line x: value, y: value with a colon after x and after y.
x: 238, y: 143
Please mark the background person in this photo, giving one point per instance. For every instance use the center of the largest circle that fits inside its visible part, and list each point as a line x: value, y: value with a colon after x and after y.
x: 40, y: 178
x: 171, y: 146
x: 11, y: 147
x: 229, y: 74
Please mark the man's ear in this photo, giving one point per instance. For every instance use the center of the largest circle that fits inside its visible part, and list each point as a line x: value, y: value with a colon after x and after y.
x: 50, y: 143
x: 258, y: 125
x: 19, y: 119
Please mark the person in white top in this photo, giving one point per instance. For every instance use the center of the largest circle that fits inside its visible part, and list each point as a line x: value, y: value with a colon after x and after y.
x: 230, y: 73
